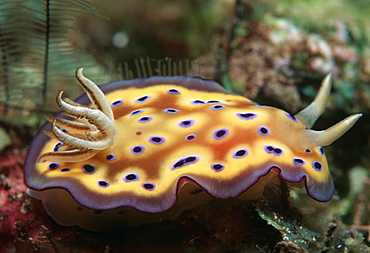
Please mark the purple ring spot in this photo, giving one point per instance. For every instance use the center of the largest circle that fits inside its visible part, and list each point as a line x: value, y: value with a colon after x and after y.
x: 148, y: 186
x: 137, y: 149
x: 53, y: 166
x: 273, y: 150
x: 221, y: 133
x: 291, y: 117
x: 116, y: 102
x: 173, y: 91
x: 184, y: 161
x: 270, y: 149
x: 88, y: 168
x: 217, y: 166
x: 278, y: 151
x: 298, y: 161
x: 103, y: 183
x: 213, y: 101
x: 247, y: 115
x: 198, y: 102
x: 142, y: 99
x: 190, y: 137
x: 263, y: 130
x: 317, y: 166
x: 308, y: 151
x: 240, y: 153
x: 65, y: 170
x: 58, y: 146
x: 156, y: 139
x: 321, y: 151
x: 131, y: 177
x: 171, y: 110
x: 144, y: 119
x: 217, y: 107
x: 110, y: 157
x: 136, y: 112
x: 186, y: 123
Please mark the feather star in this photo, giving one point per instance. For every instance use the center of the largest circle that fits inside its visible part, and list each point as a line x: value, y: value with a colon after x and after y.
x: 137, y: 151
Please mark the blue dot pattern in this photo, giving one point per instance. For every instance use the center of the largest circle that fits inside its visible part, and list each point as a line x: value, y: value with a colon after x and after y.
x: 185, y: 161
x: 227, y: 146
x: 247, y: 115
x: 263, y: 130
x: 274, y: 150
x: 116, y: 102
x: 144, y: 119
x: 217, y: 166
x: 142, y: 99
x: 221, y: 133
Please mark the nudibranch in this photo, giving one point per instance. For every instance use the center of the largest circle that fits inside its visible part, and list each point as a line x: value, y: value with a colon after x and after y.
x: 130, y: 152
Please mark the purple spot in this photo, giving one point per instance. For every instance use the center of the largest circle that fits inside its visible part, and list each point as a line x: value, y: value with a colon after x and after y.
x: 259, y: 106
x: 247, y: 115
x: 110, y: 157
x: 131, y: 177
x: 221, y: 133
x: 217, y: 166
x: 291, y: 117
x: 321, y: 151
x: 240, y: 153
x: 263, y: 130
x: 173, y: 91
x: 184, y: 161
x: 58, y: 146
x: 116, y: 102
x: 308, y: 151
x: 148, y: 186
x: 213, y: 101
x: 190, y: 137
x: 186, y: 123
x: 142, y: 99
x: 217, y: 107
x: 144, y: 119
x: 103, y: 183
x: 273, y: 150
x: 317, y: 166
x: 198, y: 102
x: 278, y: 151
x: 136, y: 112
x: 137, y: 150
x: 298, y: 161
x: 171, y: 110
x: 88, y: 168
x: 65, y: 170
x: 156, y: 140
x: 53, y: 166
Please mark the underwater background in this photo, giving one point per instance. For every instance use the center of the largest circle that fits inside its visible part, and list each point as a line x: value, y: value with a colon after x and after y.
x: 273, y: 52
